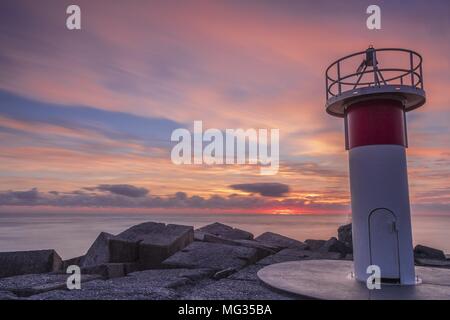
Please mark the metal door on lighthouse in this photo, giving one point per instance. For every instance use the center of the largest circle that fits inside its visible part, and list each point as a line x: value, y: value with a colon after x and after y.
x: 384, y: 244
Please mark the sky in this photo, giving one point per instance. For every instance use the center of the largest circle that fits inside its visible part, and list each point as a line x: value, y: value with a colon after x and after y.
x: 86, y: 116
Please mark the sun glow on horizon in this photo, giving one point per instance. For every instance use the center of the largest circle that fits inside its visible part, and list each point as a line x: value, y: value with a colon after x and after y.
x: 286, y: 211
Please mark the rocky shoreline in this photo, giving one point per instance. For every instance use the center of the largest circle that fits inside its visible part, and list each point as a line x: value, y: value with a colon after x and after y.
x: 166, y: 261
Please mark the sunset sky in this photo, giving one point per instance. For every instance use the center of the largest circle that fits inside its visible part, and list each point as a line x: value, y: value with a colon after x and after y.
x: 86, y: 116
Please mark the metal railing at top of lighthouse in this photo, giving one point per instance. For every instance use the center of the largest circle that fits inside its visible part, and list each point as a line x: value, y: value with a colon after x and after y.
x: 370, y: 74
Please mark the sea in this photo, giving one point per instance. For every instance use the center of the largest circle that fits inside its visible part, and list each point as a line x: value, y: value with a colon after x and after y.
x: 72, y: 234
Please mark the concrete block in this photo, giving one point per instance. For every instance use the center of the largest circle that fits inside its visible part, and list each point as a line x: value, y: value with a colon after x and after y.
x: 279, y: 242
x: 334, y: 245
x: 26, y: 262
x: 345, y: 234
x: 224, y: 231
x: 293, y: 254
x: 262, y: 249
x: 77, y: 261
x: 99, y: 252
x: 106, y: 270
x: 213, y: 256
x: 425, y: 252
x: 314, y: 245
x: 154, y: 242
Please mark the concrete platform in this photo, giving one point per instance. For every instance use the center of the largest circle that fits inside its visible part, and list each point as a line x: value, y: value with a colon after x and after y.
x: 331, y: 280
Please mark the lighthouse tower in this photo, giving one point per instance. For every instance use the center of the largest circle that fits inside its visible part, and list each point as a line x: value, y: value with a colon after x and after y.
x: 372, y: 90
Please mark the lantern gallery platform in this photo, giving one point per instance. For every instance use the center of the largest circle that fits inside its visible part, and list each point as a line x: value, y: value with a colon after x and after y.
x: 332, y: 280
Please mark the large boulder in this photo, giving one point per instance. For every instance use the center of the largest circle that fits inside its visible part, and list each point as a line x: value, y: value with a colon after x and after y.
x: 99, y: 252
x: 77, y: 261
x: 26, y: 262
x: 295, y: 254
x: 334, y: 245
x: 425, y: 252
x: 433, y: 263
x: 262, y: 249
x: 279, y: 242
x: 107, y: 270
x: 224, y: 231
x: 213, y: 256
x: 147, y: 244
x: 314, y: 245
x: 345, y: 234
x: 154, y: 242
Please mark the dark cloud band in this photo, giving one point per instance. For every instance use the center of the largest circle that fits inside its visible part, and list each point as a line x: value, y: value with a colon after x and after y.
x: 264, y: 189
x: 112, y: 196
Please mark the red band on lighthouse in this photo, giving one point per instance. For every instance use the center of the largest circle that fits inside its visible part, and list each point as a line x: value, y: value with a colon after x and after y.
x: 379, y: 121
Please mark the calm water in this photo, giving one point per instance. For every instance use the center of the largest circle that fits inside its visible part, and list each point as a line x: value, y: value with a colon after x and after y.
x: 72, y: 234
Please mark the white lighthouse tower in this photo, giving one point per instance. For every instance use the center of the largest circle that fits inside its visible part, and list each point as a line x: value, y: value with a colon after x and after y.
x: 372, y: 90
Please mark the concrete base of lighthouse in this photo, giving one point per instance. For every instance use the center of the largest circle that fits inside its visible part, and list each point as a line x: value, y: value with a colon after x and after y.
x: 332, y: 280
